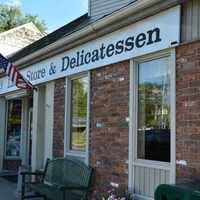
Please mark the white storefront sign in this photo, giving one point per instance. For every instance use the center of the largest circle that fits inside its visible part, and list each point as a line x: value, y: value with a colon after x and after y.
x: 155, y: 33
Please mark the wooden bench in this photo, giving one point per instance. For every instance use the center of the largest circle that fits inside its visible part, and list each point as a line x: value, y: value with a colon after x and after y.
x: 63, y: 179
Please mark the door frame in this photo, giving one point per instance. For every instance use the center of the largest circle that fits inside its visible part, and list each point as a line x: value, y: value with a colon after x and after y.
x: 30, y: 112
x: 133, y: 161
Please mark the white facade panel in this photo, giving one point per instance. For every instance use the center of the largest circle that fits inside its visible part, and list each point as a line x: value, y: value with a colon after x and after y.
x: 147, y: 179
x: 147, y: 36
x: 49, y: 113
x: 99, y: 8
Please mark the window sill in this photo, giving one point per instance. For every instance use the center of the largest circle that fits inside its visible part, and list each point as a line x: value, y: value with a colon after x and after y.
x: 76, y: 154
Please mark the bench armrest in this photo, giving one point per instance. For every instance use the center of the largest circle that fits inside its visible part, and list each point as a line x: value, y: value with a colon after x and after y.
x: 32, y: 173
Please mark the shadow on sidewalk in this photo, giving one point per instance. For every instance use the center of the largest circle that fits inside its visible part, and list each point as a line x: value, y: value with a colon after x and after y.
x: 8, y: 190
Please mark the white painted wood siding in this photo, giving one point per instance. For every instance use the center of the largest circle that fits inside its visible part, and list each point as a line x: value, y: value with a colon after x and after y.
x: 147, y: 179
x: 100, y: 8
x: 190, y: 21
x: 49, y: 113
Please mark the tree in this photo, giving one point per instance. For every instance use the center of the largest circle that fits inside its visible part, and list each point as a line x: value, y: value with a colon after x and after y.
x: 79, y: 99
x: 33, y: 18
x: 11, y: 17
x: 153, y: 105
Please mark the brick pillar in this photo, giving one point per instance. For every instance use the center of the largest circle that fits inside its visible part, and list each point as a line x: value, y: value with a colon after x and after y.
x: 188, y: 111
x: 59, y: 116
x: 109, y: 128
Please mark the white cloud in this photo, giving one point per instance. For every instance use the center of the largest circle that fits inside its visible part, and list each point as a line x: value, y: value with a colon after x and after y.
x: 17, y: 3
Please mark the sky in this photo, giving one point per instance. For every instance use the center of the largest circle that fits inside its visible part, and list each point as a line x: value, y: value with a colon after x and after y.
x: 55, y: 13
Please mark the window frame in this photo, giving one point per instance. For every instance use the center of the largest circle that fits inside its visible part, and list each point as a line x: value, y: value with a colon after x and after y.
x: 133, y: 109
x: 67, y: 127
x: 138, y: 62
x: 6, y: 132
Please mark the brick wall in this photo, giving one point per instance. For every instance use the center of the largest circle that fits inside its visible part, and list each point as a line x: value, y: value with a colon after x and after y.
x: 109, y: 128
x: 109, y: 107
x: 188, y: 111
x: 59, y: 115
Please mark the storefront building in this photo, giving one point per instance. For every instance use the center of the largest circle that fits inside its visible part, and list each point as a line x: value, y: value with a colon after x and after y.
x: 117, y: 88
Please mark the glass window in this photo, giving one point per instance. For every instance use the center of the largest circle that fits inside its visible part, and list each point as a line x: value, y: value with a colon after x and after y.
x: 13, y: 128
x: 153, y: 129
x: 78, y: 129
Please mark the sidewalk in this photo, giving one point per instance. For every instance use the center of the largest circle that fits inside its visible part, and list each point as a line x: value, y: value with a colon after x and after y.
x: 8, y: 190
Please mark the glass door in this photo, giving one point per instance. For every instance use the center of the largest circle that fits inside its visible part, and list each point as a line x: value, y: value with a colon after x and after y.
x: 153, y: 118
x: 152, y: 128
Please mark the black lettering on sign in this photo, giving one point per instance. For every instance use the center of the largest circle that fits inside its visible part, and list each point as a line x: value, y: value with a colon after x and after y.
x: 131, y: 43
x: 102, y: 54
x: 35, y: 75
x: 140, y: 40
x: 119, y: 47
x: 82, y: 57
x: 110, y: 50
x: 87, y: 58
x: 153, y: 36
x: 73, y: 62
x: 65, y: 63
x: 95, y: 55
x: 52, y: 69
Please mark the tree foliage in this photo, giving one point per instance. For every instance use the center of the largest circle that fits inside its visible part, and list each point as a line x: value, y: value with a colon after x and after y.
x: 154, y: 106
x: 11, y: 17
x: 33, y: 18
x: 79, y: 99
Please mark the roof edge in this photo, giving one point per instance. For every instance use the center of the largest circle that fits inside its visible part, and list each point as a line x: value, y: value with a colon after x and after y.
x: 21, y: 26
x: 88, y: 33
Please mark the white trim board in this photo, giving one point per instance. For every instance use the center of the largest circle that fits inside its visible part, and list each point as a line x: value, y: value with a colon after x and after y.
x: 146, y: 36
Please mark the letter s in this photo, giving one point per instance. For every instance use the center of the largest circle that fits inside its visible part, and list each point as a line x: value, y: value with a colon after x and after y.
x: 119, y: 47
x: 28, y: 75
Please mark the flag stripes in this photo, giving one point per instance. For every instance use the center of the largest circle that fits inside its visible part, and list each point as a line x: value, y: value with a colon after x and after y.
x: 7, y: 67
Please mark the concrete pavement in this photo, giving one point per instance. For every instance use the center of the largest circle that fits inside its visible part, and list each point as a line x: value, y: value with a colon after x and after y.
x: 8, y: 190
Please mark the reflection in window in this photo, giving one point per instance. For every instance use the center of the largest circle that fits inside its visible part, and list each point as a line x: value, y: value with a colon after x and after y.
x: 153, y: 133
x: 79, y: 91
x: 13, y: 128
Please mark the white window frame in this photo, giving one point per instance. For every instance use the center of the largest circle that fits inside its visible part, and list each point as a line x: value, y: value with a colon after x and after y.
x: 137, y: 62
x: 67, y: 133
x: 133, y: 107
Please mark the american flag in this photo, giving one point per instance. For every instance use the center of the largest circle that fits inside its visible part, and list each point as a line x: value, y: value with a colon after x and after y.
x: 7, y: 67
